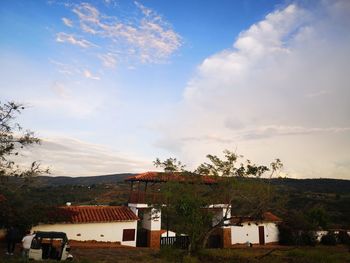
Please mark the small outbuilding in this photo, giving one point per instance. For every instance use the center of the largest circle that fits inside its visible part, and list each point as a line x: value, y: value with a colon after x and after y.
x: 117, y: 224
x: 250, y: 231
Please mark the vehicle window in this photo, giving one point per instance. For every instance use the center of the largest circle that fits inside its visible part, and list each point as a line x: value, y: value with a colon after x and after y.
x: 36, y: 243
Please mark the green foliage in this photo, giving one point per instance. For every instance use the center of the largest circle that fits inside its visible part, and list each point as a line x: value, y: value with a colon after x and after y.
x: 188, y: 202
x: 170, y: 165
x: 296, y: 230
x: 343, y: 237
x: 185, y: 209
x: 330, y: 239
x: 229, y: 166
x: 12, y: 140
x: 318, y: 217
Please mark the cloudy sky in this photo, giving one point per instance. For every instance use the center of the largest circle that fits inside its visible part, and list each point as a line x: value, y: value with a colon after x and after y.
x: 111, y: 85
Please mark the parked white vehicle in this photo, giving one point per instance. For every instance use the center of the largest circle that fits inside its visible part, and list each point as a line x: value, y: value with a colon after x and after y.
x: 50, y: 245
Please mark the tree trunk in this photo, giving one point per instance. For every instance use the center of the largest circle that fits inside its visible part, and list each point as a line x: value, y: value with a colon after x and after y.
x: 190, y: 248
x: 206, y: 236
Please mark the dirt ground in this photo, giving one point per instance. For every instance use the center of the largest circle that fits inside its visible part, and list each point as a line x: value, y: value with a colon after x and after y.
x: 93, y: 254
x: 318, y: 254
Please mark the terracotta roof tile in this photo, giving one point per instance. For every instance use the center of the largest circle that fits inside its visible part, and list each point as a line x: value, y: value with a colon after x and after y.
x: 266, y: 217
x: 94, y: 214
x: 165, y: 177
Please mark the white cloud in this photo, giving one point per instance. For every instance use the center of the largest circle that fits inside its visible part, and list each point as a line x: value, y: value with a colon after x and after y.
x: 110, y: 3
x: 67, y: 22
x: 60, y: 89
x: 89, y: 75
x: 281, y: 90
x: 66, y: 156
x: 64, y: 68
x: 109, y: 60
x: 148, y: 38
x: 67, y: 105
x: 70, y: 38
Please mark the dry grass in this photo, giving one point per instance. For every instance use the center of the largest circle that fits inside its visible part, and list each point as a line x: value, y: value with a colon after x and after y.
x: 319, y: 254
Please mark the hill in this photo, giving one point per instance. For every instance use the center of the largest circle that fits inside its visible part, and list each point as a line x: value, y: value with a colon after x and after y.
x: 47, y: 181
x: 319, y: 185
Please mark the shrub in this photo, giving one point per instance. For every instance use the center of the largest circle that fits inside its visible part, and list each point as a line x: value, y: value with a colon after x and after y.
x: 307, y: 238
x: 330, y: 239
x: 286, y: 235
x: 290, y: 236
x: 343, y: 237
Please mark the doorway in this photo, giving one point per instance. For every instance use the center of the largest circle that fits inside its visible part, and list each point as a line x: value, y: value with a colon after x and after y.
x: 261, y: 235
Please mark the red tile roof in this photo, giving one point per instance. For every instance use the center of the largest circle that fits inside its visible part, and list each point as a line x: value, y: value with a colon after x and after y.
x: 266, y: 217
x: 165, y: 177
x: 98, y: 214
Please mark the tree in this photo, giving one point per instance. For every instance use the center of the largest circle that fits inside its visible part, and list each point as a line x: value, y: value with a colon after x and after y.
x: 12, y: 139
x: 170, y: 165
x: 188, y: 202
x: 14, y: 208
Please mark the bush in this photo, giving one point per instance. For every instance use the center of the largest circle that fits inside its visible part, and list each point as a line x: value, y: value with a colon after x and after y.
x: 286, y: 235
x: 307, y: 238
x: 343, y: 238
x: 290, y: 236
x: 330, y: 239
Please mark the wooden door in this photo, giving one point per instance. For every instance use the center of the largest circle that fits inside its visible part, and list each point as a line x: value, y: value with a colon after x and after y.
x: 261, y: 235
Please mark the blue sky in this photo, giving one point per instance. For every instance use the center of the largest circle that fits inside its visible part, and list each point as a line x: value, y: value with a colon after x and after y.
x: 111, y: 85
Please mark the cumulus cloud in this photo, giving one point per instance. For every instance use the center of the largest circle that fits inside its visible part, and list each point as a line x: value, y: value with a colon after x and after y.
x: 281, y: 90
x: 72, y: 39
x: 66, y: 156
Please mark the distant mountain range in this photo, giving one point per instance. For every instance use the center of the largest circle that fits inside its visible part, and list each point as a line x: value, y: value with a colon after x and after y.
x: 319, y: 185
x: 43, y: 181
x: 304, y: 185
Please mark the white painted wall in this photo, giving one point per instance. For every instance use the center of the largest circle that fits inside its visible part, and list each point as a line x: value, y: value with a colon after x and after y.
x: 219, y: 212
x: 138, y: 205
x: 320, y: 234
x: 105, y: 232
x: 152, y: 219
x: 171, y: 234
x: 250, y: 233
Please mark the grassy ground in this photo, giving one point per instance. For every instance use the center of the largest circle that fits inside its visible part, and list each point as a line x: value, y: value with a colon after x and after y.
x: 319, y: 254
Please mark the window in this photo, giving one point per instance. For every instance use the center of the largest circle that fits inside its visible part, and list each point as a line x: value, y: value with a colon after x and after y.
x: 128, y: 234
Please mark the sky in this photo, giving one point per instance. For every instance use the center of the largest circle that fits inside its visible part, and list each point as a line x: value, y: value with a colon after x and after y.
x: 111, y: 85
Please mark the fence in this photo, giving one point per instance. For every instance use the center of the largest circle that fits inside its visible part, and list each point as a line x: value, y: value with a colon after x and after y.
x: 181, y: 242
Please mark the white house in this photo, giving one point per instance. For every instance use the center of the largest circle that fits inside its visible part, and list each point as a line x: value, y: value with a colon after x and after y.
x: 236, y: 231
x: 245, y: 230
x: 116, y: 224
